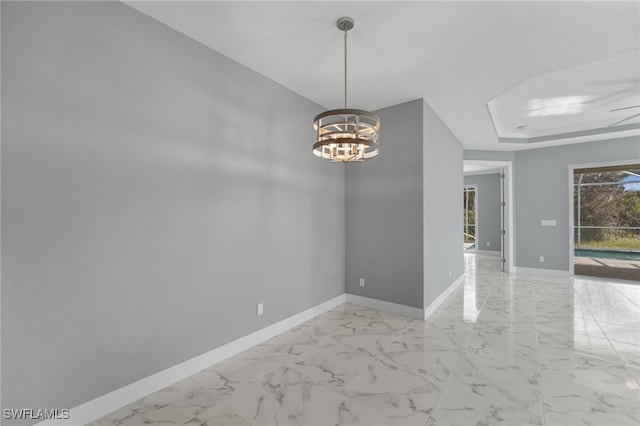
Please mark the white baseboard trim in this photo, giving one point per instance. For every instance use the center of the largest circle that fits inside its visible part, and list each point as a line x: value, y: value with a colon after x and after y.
x: 103, y: 405
x: 488, y: 252
x: 382, y: 305
x: 540, y: 271
x: 443, y: 296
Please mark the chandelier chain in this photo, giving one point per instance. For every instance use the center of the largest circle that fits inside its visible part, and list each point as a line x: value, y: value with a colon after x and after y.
x: 345, y: 68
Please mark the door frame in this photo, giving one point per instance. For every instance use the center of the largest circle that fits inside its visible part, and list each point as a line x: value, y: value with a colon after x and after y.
x: 572, y: 168
x: 505, y: 167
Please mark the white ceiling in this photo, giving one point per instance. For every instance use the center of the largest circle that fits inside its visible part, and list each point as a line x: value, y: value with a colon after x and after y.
x: 458, y: 56
x: 584, y: 100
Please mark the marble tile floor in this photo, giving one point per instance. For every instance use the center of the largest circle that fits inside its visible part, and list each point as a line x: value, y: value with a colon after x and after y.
x: 502, y: 350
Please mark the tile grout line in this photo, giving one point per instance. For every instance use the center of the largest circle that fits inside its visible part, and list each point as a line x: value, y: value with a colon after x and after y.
x: 622, y: 360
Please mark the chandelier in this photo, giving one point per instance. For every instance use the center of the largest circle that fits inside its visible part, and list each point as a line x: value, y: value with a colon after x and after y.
x: 344, y: 135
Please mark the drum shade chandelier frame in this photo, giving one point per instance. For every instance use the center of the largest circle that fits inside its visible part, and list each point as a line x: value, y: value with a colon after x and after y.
x: 345, y: 135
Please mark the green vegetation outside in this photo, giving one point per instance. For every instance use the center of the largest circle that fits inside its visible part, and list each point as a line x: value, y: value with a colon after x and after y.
x: 613, y: 209
x: 614, y: 243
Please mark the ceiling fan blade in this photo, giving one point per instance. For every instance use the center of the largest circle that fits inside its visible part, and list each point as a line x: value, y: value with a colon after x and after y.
x: 624, y: 119
x: 620, y: 109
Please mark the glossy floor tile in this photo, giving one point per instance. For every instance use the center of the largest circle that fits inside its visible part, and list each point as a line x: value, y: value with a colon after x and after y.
x: 503, y: 349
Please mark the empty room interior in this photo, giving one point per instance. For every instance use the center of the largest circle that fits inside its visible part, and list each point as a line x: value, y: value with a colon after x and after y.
x: 320, y: 213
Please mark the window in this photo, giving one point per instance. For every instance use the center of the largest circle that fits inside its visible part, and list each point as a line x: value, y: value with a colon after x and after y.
x: 470, y: 225
x: 607, y: 209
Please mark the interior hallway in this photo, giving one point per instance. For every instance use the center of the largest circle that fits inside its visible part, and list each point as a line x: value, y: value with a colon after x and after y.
x: 503, y: 349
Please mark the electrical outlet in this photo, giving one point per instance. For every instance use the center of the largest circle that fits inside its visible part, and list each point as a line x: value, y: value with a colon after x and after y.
x: 260, y: 309
x: 541, y: 259
x: 488, y: 244
x: 361, y: 282
x: 449, y: 273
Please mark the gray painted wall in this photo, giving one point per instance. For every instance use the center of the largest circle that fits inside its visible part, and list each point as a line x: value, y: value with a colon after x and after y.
x: 473, y: 154
x: 542, y: 192
x: 487, y: 210
x: 403, y: 210
x: 153, y: 191
x: 384, y: 212
x: 443, y: 183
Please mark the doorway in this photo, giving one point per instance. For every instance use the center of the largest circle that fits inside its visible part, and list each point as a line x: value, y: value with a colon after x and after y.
x: 494, y: 210
x: 606, y: 221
